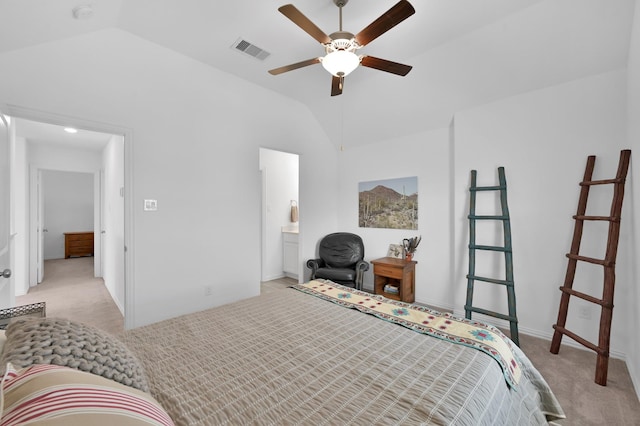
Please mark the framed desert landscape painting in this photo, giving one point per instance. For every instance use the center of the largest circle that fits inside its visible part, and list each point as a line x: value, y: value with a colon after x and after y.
x: 389, y: 203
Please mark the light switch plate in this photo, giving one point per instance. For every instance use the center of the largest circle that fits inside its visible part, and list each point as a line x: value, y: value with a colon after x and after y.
x: 150, y: 205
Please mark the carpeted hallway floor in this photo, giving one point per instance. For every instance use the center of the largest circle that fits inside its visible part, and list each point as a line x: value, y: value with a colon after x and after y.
x: 71, y: 292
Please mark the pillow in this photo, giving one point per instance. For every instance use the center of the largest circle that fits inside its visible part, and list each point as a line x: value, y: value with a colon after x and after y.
x: 72, y: 344
x: 55, y: 395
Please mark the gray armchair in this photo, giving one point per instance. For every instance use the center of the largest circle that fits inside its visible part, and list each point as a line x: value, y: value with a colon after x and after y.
x: 341, y: 260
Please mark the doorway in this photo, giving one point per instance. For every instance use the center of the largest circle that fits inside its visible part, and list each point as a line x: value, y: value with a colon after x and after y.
x: 66, y: 205
x: 7, y: 246
x: 96, y: 154
x: 280, y: 240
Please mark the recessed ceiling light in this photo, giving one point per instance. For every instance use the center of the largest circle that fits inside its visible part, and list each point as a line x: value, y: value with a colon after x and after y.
x: 70, y: 130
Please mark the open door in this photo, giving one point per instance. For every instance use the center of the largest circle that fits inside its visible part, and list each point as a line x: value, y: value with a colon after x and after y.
x: 6, y: 281
x: 37, y: 227
x: 40, y: 227
x: 102, y: 215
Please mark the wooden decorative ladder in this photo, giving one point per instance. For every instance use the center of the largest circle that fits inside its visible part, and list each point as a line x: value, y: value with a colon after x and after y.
x: 506, y: 249
x: 609, y: 264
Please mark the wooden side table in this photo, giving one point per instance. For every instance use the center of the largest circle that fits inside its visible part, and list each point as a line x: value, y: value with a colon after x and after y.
x: 395, y: 273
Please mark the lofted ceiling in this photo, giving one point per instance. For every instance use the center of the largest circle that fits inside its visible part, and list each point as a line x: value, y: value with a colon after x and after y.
x: 464, y: 53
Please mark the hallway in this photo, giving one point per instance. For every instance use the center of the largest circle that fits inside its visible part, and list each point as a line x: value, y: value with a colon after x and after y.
x: 71, y: 291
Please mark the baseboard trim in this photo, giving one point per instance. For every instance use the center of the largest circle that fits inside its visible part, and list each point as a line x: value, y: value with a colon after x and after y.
x: 635, y: 380
x: 273, y: 277
x: 119, y: 304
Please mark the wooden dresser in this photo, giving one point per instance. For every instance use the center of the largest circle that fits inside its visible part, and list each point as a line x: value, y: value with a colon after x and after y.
x: 78, y: 244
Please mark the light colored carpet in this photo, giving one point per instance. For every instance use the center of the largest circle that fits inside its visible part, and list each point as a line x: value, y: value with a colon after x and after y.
x: 571, y: 374
x: 71, y: 291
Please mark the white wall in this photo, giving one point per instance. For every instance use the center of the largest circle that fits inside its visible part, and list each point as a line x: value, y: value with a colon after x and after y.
x: 20, y: 212
x: 191, y: 151
x: 63, y: 159
x: 425, y: 155
x: 542, y: 139
x: 68, y: 207
x: 633, y: 200
x: 113, y: 216
x: 280, y: 171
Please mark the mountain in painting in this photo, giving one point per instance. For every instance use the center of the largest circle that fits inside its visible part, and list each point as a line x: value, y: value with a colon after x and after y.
x: 383, y: 207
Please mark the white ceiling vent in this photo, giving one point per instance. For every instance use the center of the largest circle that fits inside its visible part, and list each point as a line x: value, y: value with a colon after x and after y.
x: 250, y: 49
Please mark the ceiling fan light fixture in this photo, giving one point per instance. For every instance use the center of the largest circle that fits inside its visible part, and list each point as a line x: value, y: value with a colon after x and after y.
x: 340, y: 58
x: 340, y: 62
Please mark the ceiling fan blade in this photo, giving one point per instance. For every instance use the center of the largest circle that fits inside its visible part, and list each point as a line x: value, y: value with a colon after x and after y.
x: 392, y: 17
x: 336, y: 85
x: 291, y: 12
x: 295, y: 66
x: 384, y: 65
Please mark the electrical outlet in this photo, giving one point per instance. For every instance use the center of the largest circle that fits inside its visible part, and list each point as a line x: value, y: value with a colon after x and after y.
x: 208, y: 290
x: 585, y: 312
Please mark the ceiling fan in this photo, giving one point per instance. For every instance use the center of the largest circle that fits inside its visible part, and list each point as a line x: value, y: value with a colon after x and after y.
x: 340, y: 46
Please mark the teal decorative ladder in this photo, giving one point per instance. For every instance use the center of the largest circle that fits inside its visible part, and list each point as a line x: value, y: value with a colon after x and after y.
x: 506, y: 249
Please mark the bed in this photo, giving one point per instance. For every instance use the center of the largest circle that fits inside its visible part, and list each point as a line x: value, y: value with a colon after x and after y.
x: 304, y: 356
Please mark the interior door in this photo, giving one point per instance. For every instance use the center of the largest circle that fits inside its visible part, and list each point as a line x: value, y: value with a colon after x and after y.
x: 103, y: 226
x: 40, y: 227
x: 6, y: 282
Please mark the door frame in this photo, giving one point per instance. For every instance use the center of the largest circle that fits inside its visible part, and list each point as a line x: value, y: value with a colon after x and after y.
x: 36, y: 221
x: 266, y: 226
x: 127, y: 133
x: 7, y: 245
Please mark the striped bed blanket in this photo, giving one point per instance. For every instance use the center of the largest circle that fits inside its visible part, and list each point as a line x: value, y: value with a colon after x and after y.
x: 288, y: 357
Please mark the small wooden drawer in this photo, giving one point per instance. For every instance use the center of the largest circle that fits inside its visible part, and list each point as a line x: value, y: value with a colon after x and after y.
x: 387, y: 271
x: 81, y: 245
